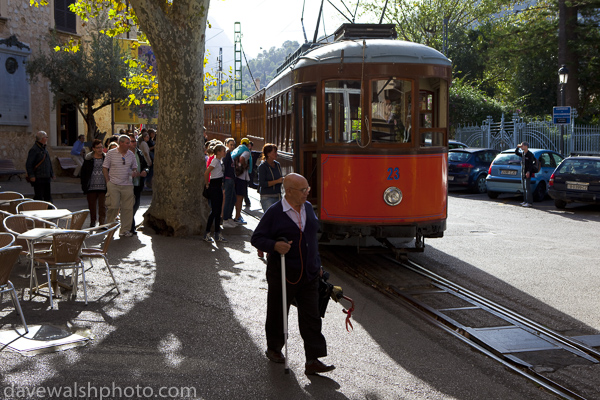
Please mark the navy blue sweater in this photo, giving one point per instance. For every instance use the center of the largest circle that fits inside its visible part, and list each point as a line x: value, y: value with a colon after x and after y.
x: 266, y: 174
x: 303, y: 260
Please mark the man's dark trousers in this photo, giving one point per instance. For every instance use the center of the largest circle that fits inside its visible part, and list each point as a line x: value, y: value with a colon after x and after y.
x: 309, y: 319
x: 137, y: 194
x: 41, y: 189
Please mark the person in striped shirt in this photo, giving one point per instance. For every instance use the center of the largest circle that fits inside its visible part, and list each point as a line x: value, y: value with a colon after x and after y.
x: 119, y: 169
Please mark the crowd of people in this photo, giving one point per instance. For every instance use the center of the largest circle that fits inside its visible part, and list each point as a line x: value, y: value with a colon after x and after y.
x: 230, y: 171
x: 113, y: 175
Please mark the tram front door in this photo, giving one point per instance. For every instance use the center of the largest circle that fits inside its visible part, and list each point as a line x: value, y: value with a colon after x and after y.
x: 307, y: 132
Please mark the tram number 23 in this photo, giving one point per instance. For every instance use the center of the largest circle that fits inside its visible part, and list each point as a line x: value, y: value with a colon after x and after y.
x: 393, y: 174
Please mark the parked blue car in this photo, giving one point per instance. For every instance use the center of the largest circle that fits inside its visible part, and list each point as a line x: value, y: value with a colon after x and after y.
x: 452, y: 144
x: 468, y: 167
x: 504, y: 175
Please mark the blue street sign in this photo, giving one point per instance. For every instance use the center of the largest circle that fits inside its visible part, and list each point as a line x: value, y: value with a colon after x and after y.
x: 561, y: 115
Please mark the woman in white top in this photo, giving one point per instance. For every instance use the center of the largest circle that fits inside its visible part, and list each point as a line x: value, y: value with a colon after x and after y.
x: 214, y: 183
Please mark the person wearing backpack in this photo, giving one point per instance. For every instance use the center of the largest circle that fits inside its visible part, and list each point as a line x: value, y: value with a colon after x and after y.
x: 243, y: 166
x: 528, y: 168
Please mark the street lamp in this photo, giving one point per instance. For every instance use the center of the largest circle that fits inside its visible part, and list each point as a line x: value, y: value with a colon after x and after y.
x: 563, y: 76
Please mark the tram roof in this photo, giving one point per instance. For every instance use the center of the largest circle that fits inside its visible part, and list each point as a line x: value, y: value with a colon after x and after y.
x: 376, y: 51
x: 225, y: 102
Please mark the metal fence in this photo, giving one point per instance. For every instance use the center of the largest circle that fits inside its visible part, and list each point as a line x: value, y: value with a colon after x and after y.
x: 505, y: 134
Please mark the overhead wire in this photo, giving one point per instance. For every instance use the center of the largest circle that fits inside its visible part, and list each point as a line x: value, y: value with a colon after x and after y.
x: 249, y: 70
x: 338, y: 10
x: 349, y: 12
x: 355, y: 11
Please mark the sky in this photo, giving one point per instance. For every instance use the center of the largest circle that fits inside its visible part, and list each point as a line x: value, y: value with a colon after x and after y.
x: 268, y: 23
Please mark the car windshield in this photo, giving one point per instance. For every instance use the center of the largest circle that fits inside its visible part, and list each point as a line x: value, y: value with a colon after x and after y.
x: 580, y: 167
x: 458, y: 156
x: 507, y: 159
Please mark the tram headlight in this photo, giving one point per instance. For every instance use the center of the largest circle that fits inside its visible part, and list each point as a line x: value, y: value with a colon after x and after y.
x: 392, y: 196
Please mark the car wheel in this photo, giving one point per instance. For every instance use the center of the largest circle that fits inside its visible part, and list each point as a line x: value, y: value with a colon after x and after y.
x: 493, y: 195
x: 479, y: 186
x: 560, y: 203
x: 540, y: 192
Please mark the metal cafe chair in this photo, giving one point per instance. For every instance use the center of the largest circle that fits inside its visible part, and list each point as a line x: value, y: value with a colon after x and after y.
x: 90, y: 253
x: 75, y: 220
x: 8, y: 258
x: 32, y: 205
x: 6, y: 239
x: 3, y: 214
x: 66, y: 251
x: 17, y: 224
x: 11, y: 207
x: 8, y: 195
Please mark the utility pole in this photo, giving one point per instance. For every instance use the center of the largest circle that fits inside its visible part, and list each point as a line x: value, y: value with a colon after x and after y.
x: 238, y: 60
x: 220, y: 71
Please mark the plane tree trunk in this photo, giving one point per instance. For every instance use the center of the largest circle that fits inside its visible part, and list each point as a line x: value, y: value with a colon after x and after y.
x: 177, y: 39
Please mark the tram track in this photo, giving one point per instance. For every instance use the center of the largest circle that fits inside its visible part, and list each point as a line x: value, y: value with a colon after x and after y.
x: 517, y: 342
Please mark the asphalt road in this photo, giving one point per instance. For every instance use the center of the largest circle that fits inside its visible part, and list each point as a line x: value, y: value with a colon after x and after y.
x: 191, y: 315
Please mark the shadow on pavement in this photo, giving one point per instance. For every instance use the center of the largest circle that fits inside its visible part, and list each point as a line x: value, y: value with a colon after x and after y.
x: 172, y: 327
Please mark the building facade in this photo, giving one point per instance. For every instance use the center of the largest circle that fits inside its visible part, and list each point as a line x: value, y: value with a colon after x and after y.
x: 26, y: 108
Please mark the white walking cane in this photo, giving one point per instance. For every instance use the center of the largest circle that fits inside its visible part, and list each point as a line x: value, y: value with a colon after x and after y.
x: 284, y: 307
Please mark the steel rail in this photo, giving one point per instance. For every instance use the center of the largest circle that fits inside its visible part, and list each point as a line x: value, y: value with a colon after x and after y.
x: 525, y: 372
x: 528, y: 373
x: 565, y: 340
x: 417, y: 308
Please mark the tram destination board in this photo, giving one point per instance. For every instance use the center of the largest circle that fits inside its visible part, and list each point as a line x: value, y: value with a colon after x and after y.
x: 561, y: 115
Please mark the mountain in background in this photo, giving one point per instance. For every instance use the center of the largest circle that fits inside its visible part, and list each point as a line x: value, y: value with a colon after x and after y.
x: 264, y: 66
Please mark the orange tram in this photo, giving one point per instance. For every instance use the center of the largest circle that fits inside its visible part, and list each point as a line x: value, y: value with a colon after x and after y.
x: 365, y: 120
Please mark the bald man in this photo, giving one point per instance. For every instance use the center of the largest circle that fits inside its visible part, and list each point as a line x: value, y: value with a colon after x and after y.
x: 293, y: 218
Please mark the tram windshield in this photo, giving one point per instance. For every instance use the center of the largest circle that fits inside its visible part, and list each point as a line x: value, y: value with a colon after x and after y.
x: 342, y: 111
x: 390, y: 110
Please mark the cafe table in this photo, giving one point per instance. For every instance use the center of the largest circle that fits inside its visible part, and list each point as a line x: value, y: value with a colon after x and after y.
x: 33, y: 236
x: 48, y: 215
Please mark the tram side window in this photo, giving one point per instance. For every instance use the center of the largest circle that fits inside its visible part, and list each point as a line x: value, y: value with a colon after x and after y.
x: 433, y: 106
x: 342, y: 112
x: 228, y: 121
x: 309, y: 118
x: 426, y: 110
x: 390, y: 110
x: 269, y: 133
x: 288, y: 124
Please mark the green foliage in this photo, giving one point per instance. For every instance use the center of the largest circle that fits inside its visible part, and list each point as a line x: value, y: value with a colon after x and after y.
x: 507, y: 49
x: 89, y: 79
x: 471, y: 105
x: 423, y: 21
